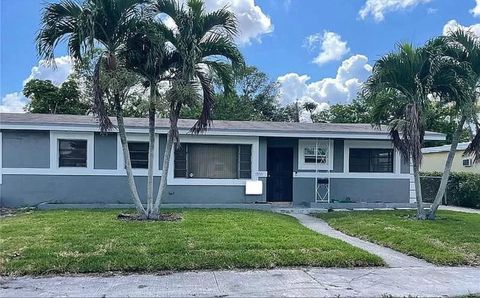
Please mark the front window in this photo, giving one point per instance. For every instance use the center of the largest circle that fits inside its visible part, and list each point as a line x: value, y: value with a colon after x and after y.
x: 72, y: 153
x: 363, y: 160
x: 314, y: 154
x: 310, y: 157
x: 138, y: 154
x: 213, y: 161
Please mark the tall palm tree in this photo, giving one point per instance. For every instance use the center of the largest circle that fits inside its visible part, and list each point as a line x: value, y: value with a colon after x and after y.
x: 398, y: 87
x: 91, y: 24
x: 147, y: 54
x: 204, y: 47
x: 458, y: 83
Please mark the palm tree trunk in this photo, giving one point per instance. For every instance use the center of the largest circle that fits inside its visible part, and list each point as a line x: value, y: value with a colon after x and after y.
x: 447, y: 170
x: 151, y: 148
x: 418, y: 190
x: 126, y: 157
x: 165, y: 166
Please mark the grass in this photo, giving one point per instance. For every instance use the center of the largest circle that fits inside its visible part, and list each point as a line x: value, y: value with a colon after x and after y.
x: 452, y: 239
x: 81, y: 241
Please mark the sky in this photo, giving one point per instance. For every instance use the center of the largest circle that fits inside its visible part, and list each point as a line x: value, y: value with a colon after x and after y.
x: 317, y: 50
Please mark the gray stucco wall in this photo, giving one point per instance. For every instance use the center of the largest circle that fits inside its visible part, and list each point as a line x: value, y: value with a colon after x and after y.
x: 303, y: 191
x: 338, y: 147
x: 357, y: 189
x: 25, y: 149
x: 262, y: 152
x: 31, y: 190
x: 105, y: 151
x: 371, y: 190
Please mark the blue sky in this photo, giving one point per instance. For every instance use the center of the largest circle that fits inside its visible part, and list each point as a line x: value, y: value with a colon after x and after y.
x: 319, y: 50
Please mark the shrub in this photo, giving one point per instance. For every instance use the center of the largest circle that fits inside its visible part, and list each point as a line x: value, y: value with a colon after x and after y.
x: 463, y: 189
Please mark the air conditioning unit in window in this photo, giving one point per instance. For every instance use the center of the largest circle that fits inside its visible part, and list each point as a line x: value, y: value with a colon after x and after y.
x: 467, y: 162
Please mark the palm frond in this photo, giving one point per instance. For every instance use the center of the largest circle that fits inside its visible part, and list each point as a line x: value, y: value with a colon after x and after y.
x: 205, y: 118
x: 99, y: 108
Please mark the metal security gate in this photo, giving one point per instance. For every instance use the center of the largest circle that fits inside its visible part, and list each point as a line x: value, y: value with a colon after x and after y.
x: 322, y: 183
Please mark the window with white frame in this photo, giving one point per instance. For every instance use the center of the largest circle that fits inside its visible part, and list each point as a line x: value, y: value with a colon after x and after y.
x: 71, y: 151
x: 314, y: 154
x: 371, y: 160
x: 377, y: 158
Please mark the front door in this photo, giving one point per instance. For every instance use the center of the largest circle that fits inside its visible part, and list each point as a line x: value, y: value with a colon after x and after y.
x: 280, y: 174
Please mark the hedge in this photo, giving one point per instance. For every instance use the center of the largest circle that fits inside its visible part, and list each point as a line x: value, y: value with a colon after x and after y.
x: 463, y: 189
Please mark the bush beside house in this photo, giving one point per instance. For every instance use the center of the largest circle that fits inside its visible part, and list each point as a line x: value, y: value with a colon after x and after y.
x: 463, y: 189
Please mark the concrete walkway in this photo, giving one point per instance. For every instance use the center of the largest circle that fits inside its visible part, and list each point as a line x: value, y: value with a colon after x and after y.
x: 391, y: 257
x: 301, y: 282
x: 459, y: 209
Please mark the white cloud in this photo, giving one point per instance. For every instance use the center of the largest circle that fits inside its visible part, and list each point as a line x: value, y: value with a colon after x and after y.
x: 331, y: 46
x: 13, y: 103
x: 16, y: 101
x: 252, y: 21
x: 378, y: 8
x: 57, y: 74
x: 453, y: 25
x: 341, y: 89
x: 476, y: 10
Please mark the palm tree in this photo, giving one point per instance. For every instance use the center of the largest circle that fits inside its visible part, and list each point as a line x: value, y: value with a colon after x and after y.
x: 204, y: 47
x: 398, y: 87
x: 458, y: 83
x: 147, y: 54
x: 95, y: 23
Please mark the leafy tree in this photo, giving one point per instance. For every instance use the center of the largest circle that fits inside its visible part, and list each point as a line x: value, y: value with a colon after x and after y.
x: 255, y: 89
x: 47, y: 98
x: 105, y: 24
x: 310, y: 107
x: 254, y: 98
x: 355, y: 112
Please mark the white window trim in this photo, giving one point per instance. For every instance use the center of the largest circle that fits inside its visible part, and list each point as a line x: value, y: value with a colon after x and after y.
x: 138, y: 138
x: 54, y: 152
x: 368, y: 145
x: 171, y: 180
x: 303, y: 143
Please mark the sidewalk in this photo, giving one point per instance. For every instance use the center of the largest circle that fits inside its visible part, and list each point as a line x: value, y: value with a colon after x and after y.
x: 391, y: 257
x: 318, y: 282
x: 459, y: 209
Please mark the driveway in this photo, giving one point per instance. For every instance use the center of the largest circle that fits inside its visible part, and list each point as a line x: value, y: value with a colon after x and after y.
x: 318, y: 282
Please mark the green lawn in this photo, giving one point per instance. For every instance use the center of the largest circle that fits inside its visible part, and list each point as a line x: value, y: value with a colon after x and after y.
x: 452, y: 239
x: 72, y: 241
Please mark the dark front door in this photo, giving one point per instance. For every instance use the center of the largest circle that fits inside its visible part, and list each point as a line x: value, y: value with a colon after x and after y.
x: 280, y: 174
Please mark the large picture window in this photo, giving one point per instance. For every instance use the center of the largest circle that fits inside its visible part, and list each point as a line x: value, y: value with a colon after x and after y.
x: 213, y: 161
x: 367, y: 160
x: 72, y: 153
x: 138, y: 154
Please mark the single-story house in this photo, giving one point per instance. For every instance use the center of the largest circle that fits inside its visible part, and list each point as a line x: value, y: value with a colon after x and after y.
x: 434, y: 159
x: 64, y: 159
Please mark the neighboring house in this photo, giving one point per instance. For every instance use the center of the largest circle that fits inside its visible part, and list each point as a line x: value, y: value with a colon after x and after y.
x: 434, y: 159
x: 64, y: 159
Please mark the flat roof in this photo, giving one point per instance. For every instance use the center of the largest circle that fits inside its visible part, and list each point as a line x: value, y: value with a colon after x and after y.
x: 445, y: 148
x: 219, y: 127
